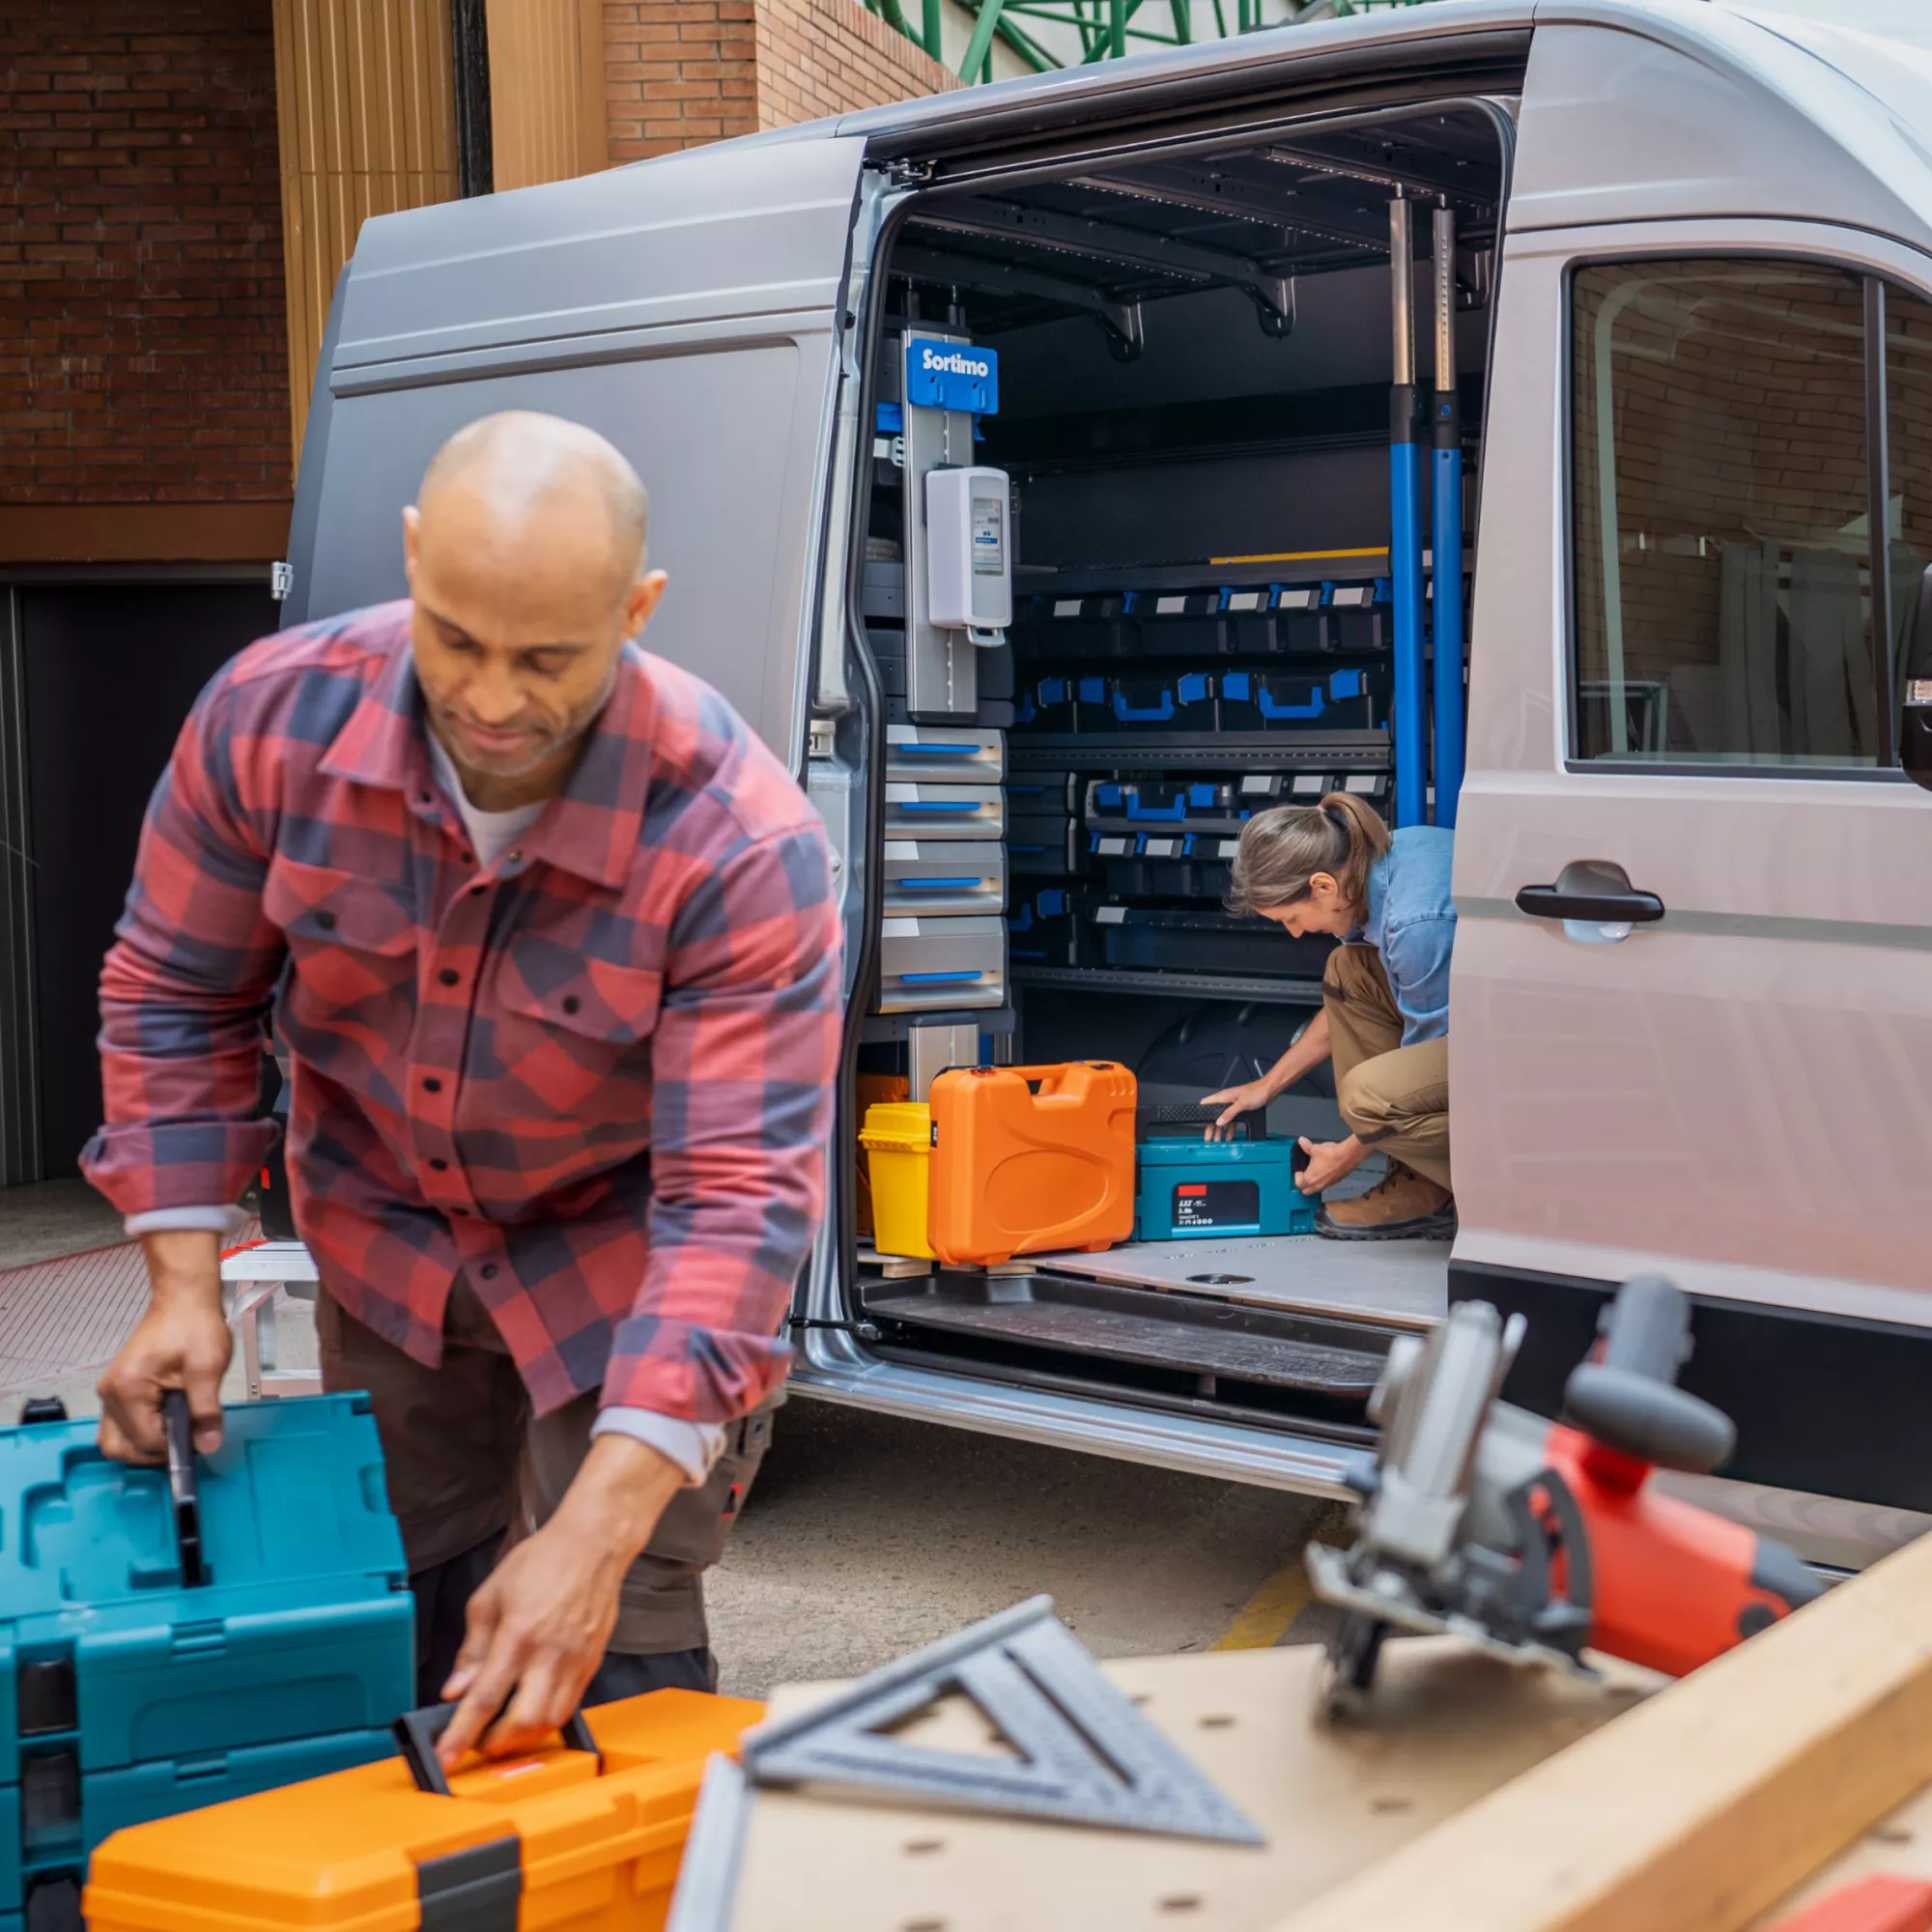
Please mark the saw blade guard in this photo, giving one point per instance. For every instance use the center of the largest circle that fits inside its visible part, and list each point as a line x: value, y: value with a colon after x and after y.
x: 1434, y: 1402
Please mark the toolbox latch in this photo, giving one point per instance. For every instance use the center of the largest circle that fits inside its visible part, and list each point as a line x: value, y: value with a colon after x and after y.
x: 475, y: 1889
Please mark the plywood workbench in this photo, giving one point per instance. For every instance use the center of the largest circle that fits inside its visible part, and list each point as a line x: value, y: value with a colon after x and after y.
x: 1449, y: 1726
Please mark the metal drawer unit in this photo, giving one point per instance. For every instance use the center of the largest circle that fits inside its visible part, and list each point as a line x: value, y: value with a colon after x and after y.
x: 944, y: 810
x: 946, y: 753
x: 927, y: 877
x: 935, y: 965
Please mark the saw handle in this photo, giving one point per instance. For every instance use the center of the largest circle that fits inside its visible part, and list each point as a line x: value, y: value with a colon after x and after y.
x: 1652, y: 1421
x: 1646, y: 1328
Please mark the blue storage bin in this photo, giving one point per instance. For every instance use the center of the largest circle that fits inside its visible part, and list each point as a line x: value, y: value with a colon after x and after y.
x: 1192, y: 1189
x: 122, y: 1688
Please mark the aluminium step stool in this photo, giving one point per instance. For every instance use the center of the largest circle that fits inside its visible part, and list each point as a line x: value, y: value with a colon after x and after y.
x: 249, y: 1279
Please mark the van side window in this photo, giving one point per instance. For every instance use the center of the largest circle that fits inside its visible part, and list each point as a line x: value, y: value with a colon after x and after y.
x: 1721, y: 526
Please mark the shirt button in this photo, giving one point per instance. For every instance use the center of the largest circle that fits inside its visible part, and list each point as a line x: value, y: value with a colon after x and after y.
x: 571, y: 1003
x: 488, y: 1271
x: 432, y: 1085
x: 449, y: 976
x: 470, y: 857
x: 441, y: 1165
x: 327, y: 920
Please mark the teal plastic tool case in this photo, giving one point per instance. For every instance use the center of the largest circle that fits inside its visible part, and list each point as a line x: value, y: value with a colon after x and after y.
x: 170, y: 1638
x: 1187, y: 1189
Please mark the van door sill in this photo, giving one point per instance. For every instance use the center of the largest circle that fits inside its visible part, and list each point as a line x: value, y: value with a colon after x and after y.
x: 1387, y: 1284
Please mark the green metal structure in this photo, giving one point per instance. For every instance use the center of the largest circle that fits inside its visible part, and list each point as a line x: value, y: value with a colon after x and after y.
x: 1052, y: 33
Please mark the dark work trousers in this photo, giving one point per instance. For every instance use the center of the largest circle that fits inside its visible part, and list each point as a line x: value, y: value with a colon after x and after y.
x: 470, y: 1470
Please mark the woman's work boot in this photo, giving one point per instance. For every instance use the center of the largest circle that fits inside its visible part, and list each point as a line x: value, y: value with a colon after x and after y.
x: 1405, y: 1207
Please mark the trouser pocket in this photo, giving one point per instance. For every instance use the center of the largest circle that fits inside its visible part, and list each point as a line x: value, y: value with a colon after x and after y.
x: 697, y: 1522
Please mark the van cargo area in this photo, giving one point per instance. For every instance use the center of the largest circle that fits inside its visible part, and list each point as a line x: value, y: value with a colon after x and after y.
x: 1185, y: 428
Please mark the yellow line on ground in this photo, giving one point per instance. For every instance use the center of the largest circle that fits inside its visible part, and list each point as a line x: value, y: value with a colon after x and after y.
x: 1263, y: 1619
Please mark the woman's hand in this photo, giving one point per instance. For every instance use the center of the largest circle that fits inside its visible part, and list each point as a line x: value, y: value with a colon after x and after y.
x: 1235, y: 1101
x: 1328, y: 1162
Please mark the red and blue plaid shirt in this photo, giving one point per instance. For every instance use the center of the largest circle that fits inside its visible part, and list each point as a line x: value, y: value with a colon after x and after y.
x: 597, y: 1074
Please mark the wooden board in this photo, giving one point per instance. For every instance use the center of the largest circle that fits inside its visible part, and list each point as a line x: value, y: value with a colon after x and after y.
x: 1900, y: 1843
x: 1704, y: 1806
x: 1449, y: 1726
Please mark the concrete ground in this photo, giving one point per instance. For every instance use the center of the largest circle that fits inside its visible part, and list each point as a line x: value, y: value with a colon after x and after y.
x: 53, y: 1217
x: 866, y: 1535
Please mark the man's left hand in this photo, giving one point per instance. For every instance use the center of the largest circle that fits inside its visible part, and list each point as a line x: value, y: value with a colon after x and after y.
x: 539, y: 1624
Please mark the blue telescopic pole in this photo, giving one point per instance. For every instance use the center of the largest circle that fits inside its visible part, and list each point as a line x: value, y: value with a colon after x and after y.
x: 1446, y: 535
x: 1412, y: 747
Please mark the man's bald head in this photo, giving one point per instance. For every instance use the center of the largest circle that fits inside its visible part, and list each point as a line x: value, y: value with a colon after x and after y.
x: 526, y: 560
x: 518, y: 464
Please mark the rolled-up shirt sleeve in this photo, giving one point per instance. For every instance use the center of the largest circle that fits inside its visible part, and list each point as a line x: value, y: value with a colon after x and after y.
x: 743, y: 1061
x: 187, y: 986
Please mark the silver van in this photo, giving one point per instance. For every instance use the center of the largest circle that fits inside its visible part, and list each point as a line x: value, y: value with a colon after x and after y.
x: 1669, y: 281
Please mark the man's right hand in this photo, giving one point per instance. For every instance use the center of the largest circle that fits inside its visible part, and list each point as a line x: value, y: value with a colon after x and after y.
x: 181, y: 1342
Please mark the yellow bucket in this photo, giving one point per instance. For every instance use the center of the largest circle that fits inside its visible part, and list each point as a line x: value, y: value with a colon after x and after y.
x: 897, y: 1139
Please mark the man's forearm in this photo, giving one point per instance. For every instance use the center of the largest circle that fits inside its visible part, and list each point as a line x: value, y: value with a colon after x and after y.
x: 617, y: 1495
x: 184, y: 1263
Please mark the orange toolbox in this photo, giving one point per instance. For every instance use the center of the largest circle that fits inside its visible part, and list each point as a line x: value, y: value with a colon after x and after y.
x: 584, y: 1835
x: 1028, y: 1158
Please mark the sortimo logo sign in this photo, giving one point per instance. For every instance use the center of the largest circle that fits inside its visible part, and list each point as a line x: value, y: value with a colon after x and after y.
x: 943, y: 362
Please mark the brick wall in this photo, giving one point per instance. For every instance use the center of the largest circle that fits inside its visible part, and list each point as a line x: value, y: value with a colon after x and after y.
x: 679, y: 72
x: 142, y: 346
x: 820, y: 57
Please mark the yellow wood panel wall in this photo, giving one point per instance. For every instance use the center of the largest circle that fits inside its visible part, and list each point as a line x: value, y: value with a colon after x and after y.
x: 368, y: 125
x: 547, y: 113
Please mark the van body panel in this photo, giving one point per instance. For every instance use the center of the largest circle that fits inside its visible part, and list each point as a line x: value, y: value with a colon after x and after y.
x: 1663, y: 112
x: 702, y: 236
x: 1737, y: 1093
x: 688, y: 309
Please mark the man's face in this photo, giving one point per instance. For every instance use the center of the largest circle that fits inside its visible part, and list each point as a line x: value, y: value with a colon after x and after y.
x: 517, y: 629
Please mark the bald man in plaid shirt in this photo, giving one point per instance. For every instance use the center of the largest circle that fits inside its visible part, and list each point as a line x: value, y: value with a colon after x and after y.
x: 551, y: 940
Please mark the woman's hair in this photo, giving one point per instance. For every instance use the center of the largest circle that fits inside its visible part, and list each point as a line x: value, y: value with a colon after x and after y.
x: 1283, y: 849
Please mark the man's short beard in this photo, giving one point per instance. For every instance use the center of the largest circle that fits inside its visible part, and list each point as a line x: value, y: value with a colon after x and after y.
x: 578, y: 727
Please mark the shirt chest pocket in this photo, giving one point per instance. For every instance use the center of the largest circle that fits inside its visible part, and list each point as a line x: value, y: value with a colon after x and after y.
x: 572, y: 1036
x: 349, y: 941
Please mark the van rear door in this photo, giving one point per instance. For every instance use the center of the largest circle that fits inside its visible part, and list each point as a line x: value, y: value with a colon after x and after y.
x: 687, y: 308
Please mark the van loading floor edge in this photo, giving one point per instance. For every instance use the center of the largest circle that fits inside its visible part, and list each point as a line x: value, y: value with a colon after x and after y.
x: 1392, y: 1284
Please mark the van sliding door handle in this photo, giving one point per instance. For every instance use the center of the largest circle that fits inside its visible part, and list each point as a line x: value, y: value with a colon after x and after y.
x: 1592, y: 891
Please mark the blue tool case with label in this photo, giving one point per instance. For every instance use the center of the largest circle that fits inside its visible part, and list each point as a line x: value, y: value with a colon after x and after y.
x: 1187, y: 1189
x: 173, y: 1637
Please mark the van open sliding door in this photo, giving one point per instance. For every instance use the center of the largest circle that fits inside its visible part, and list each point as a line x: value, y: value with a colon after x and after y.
x: 685, y: 308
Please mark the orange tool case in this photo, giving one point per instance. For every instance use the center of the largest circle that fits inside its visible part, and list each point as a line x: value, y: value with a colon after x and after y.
x: 581, y: 1837
x: 1028, y: 1158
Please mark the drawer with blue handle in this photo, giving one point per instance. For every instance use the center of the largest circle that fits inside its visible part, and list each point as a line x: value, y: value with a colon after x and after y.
x: 1253, y: 701
x: 948, y: 753
x: 944, y: 875
x: 921, y: 810
x: 1183, y: 703
x: 1050, y: 790
x: 1185, y: 805
x: 929, y: 964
